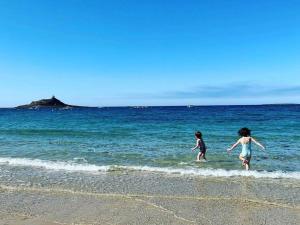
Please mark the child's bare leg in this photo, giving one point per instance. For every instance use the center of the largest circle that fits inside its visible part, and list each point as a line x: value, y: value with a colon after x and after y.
x: 247, y: 165
x: 200, y: 154
x: 242, y: 159
x: 246, y: 162
x: 204, y: 156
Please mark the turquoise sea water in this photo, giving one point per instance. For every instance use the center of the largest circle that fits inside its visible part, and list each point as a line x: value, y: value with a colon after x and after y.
x: 152, y: 138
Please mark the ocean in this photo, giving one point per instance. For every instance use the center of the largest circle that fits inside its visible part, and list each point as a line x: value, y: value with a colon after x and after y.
x: 153, y: 139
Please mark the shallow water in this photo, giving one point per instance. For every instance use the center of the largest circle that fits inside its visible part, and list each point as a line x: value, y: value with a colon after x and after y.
x: 153, y: 138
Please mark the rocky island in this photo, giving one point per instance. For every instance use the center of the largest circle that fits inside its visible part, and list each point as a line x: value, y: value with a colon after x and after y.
x: 48, y: 103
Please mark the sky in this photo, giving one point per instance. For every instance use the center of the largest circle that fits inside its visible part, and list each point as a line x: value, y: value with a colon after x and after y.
x: 155, y: 52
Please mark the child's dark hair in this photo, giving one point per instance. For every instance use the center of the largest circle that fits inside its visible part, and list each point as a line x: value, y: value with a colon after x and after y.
x: 198, y: 134
x: 244, y: 132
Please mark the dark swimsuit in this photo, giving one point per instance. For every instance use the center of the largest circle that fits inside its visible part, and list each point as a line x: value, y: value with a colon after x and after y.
x: 202, y: 147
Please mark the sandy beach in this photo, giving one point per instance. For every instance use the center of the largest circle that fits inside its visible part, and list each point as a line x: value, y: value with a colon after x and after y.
x: 47, y: 198
x: 132, y: 112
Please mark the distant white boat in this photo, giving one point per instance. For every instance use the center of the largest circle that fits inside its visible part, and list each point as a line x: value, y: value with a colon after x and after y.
x: 140, y: 107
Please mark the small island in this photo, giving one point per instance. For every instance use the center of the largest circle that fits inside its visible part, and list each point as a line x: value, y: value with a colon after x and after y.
x: 48, y: 103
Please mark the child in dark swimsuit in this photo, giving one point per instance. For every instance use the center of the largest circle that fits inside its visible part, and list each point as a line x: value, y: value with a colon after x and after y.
x: 201, y: 145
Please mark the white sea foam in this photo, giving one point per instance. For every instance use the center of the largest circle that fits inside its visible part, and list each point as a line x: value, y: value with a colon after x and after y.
x: 51, y: 165
x: 219, y: 172
x: 75, y: 167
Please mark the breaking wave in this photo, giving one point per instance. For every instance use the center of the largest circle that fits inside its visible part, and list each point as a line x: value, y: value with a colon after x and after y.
x: 77, y: 167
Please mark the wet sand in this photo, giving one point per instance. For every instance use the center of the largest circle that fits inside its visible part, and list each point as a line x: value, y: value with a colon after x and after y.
x: 145, y: 198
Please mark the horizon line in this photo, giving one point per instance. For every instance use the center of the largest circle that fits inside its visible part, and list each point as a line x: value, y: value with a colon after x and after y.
x: 187, y: 105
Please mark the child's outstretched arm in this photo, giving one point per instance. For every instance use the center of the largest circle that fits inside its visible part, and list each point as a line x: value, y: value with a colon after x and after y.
x: 197, y: 145
x: 259, y: 144
x: 233, y: 146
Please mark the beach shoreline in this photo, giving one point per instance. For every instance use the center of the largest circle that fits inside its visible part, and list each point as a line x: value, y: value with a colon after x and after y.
x: 137, y: 197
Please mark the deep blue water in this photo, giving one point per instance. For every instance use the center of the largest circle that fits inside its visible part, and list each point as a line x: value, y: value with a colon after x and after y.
x: 154, y: 136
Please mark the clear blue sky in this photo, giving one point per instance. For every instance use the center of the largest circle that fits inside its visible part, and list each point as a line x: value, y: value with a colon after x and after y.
x: 155, y: 52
